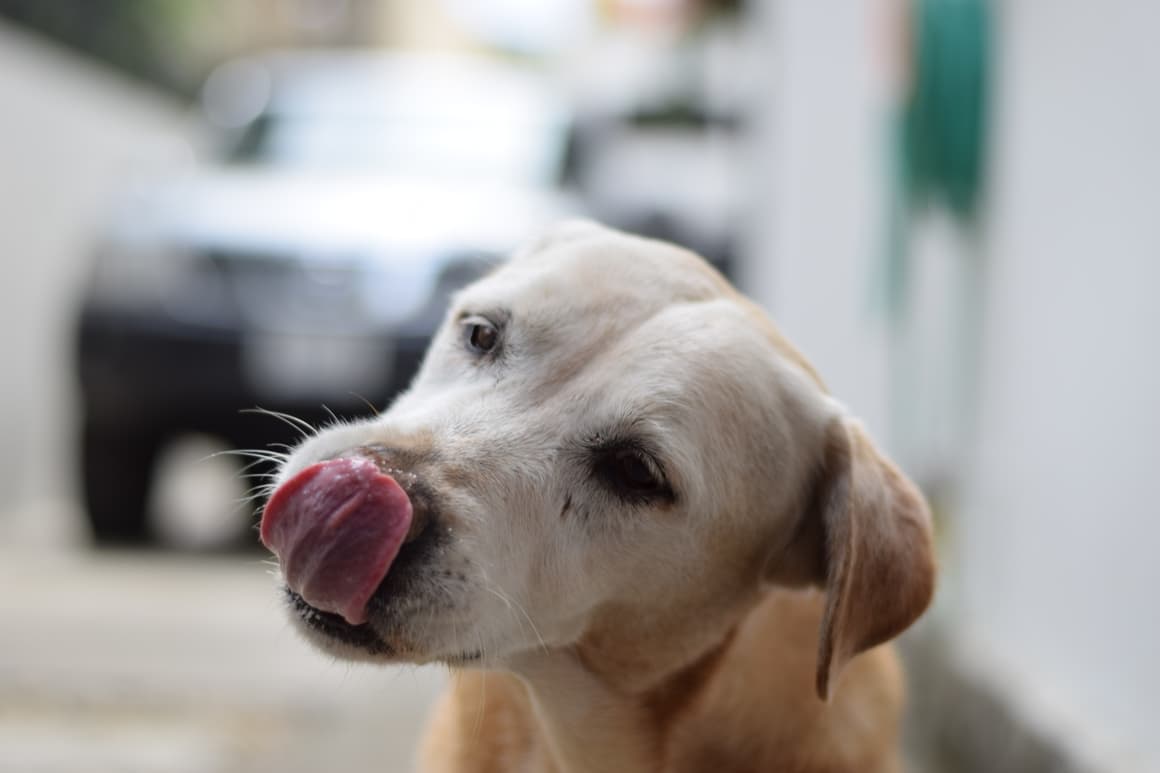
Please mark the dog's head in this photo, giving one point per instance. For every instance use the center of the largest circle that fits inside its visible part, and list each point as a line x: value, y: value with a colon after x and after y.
x: 608, y: 451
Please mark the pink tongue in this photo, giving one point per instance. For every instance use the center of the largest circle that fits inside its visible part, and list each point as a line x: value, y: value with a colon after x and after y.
x: 336, y: 527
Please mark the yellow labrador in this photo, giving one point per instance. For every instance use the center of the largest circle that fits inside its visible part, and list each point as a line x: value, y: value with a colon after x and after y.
x: 623, y: 508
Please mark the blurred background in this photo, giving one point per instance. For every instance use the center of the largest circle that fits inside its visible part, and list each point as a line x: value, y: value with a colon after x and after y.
x: 209, y: 207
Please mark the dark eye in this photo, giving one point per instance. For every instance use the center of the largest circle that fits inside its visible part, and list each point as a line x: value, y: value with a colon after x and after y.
x: 482, y: 336
x: 631, y: 475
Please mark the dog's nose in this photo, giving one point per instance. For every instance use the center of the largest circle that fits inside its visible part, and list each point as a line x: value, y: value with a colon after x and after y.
x: 399, y: 463
x: 418, y: 526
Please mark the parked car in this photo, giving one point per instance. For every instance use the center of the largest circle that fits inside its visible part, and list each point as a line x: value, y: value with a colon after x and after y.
x: 673, y: 175
x: 311, y: 263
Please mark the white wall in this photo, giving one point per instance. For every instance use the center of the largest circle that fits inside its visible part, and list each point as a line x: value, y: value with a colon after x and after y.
x: 816, y: 225
x: 1060, y: 530
x: 71, y: 134
x: 1053, y: 552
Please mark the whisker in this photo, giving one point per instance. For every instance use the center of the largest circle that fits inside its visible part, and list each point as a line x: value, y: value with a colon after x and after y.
x: 482, y: 690
x: 513, y: 605
x: 248, y: 470
x: 250, y: 499
x: 304, y: 427
x: 368, y: 403
x: 250, y: 453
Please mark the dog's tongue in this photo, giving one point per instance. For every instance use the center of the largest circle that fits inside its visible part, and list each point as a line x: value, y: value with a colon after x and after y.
x: 336, y: 527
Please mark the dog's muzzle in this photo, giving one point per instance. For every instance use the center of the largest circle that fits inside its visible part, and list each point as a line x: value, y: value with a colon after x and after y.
x: 336, y: 528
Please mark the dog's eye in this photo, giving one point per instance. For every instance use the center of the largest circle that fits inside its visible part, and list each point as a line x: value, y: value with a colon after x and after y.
x: 631, y: 474
x: 481, y: 335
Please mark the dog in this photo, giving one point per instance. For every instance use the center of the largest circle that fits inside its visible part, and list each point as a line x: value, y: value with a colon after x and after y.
x: 625, y: 511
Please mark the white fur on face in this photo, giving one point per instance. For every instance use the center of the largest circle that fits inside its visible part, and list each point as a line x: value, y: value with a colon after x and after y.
x: 606, y: 342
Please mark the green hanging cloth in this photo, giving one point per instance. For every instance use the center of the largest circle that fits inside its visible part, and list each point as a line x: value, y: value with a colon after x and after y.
x: 940, y: 132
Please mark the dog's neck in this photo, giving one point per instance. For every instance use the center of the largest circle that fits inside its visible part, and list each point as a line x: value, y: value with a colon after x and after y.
x: 592, y: 723
x: 588, y: 727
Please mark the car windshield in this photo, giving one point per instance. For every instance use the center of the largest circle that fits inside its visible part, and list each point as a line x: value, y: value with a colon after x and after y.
x: 481, y: 148
x: 411, y: 129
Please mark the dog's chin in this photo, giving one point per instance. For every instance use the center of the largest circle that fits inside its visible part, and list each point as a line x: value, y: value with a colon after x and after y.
x: 365, y: 643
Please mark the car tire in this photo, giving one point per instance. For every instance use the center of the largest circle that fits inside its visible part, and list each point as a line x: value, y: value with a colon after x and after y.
x: 117, y: 473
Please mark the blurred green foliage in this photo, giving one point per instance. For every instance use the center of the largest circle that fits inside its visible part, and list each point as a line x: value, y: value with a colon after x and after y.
x: 148, y: 39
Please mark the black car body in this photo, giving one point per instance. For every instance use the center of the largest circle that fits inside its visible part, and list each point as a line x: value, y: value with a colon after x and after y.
x: 306, y: 272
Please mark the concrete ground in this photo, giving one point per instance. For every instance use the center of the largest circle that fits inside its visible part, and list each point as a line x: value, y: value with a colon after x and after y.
x: 161, y: 663
x: 131, y: 662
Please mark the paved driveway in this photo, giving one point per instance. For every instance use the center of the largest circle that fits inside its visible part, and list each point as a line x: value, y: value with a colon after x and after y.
x: 158, y: 663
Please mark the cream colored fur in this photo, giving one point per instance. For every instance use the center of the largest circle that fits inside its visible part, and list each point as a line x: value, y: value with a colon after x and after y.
x: 736, y: 627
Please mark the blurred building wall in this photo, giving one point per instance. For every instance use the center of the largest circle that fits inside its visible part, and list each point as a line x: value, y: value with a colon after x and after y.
x: 72, y: 135
x: 818, y: 218
x: 1061, y: 522
x: 1051, y: 569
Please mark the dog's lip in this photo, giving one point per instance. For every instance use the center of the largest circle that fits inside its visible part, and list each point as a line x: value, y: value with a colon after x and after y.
x: 333, y: 625
x: 363, y: 635
x: 463, y: 658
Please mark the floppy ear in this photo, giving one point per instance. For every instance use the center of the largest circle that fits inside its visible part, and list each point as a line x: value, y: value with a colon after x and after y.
x: 866, y: 538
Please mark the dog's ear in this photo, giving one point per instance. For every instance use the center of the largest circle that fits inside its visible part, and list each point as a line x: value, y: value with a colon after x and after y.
x: 865, y: 536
